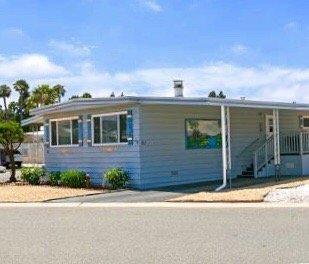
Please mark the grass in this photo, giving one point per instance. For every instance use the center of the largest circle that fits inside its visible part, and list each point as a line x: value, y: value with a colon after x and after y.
x: 17, y: 192
x: 255, y: 193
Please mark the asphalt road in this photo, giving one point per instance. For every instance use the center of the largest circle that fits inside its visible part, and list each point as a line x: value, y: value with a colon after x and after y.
x: 154, y: 235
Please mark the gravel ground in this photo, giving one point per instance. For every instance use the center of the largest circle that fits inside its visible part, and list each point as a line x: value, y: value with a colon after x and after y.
x: 16, y: 192
x: 255, y: 193
x: 294, y: 195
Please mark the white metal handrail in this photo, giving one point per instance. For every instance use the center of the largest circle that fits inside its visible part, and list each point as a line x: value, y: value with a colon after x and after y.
x: 248, y: 150
x: 290, y: 143
x: 263, y: 155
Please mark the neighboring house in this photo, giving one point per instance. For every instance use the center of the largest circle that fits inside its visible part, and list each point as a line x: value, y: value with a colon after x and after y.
x: 165, y: 141
x: 32, y: 148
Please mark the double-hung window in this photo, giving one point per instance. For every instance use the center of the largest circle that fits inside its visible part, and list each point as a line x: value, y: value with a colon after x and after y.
x: 64, y: 132
x: 109, y: 128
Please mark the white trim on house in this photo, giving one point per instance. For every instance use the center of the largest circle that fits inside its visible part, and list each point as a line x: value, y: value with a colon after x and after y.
x: 92, y: 103
x: 81, y: 104
x: 71, y: 118
x: 118, y: 129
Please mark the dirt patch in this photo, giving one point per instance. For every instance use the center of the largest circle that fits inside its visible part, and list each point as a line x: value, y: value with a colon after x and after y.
x: 254, y: 193
x: 16, y: 192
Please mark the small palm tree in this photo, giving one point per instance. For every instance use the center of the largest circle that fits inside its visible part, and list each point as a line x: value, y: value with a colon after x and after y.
x: 60, y: 91
x: 22, y: 87
x: 5, y: 92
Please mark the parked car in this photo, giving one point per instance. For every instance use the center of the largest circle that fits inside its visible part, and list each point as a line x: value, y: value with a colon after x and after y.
x: 5, y: 160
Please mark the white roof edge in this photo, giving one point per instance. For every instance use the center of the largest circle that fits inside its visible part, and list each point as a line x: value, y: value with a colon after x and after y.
x: 95, y: 102
x: 32, y: 120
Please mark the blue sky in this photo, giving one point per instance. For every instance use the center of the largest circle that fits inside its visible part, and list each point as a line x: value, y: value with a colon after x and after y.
x: 258, y: 49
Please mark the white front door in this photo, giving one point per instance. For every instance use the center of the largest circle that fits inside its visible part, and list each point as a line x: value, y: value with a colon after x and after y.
x: 269, y: 125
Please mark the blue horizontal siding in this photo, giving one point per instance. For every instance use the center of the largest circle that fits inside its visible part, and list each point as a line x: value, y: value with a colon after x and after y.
x: 95, y: 160
x: 159, y: 146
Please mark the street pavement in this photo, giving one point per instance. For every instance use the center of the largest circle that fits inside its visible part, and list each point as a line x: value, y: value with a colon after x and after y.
x: 128, y: 234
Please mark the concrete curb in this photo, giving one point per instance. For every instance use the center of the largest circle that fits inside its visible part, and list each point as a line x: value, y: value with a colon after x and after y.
x: 154, y: 205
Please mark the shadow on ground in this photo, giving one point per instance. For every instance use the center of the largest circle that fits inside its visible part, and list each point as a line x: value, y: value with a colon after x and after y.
x: 170, y: 192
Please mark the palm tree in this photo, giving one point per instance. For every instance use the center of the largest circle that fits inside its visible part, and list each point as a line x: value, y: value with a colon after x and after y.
x: 5, y: 92
x: 43, y: 95
x: 22, y: 87
x: 60, y: 91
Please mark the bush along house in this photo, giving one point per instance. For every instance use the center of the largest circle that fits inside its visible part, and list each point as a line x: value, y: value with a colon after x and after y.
x: 164, y: 141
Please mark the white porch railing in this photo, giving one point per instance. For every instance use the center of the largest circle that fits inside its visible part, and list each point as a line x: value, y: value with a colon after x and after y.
x: 305, y: 142
x: 263, y: 155
x: 290, y: 143
x: 294, y: 143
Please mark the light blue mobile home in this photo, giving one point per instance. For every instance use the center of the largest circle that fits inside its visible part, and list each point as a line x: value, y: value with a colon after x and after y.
x: 166, y: 141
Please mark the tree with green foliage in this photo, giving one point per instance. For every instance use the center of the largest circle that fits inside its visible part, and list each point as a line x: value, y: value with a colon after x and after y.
x: 11, y: 137
x: 221, y: 95
x: 60, y: 91
x: 22, y: 87
x: 74, y: 97
x: 213, y: 94
x: 84, y: 95
x: 42, y: 95
x: 5, y: 92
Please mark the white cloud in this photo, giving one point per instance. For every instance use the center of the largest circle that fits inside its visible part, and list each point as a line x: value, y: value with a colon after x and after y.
x: 28, y: 66
x: 73, y: 49
x: 152, y: 5
x: 291, y: 26
x: 260, y: 82
x: 239, y: 49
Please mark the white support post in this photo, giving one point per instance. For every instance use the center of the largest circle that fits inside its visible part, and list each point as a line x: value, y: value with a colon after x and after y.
x: 223, y: 137
x: 276, y: 137
x: 276, y: 141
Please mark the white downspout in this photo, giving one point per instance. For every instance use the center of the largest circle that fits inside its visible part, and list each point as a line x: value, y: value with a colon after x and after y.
x: 223, y: 137
x: 229, y: 160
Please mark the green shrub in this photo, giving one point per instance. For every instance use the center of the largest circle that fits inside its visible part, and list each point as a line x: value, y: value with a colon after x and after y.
x: 32, y: 175
x: 116, y: 178
x: 54, y: 178
x: 73, y: 178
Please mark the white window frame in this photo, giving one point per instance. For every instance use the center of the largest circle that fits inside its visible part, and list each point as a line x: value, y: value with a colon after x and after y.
x: 71, y: 118
x: 303, y: 123
x: 118, y: 129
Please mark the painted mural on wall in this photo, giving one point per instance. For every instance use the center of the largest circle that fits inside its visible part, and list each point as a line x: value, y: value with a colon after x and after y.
x: 203, y: 134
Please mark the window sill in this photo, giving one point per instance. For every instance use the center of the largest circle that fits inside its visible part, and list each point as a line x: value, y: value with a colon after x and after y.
x: 64, y: 146
x: 110, y: 144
